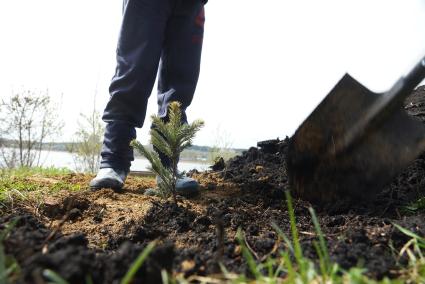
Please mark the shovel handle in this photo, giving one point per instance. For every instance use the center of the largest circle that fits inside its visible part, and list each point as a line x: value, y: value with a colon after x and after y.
x: 385, y: 105
x: 414, y: 78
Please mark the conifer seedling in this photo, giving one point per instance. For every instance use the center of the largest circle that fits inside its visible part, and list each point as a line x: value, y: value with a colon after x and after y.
x: 170, y: 138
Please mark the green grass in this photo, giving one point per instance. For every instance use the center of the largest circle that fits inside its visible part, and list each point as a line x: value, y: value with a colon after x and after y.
x: 25, y: 171
x: 16, y: 183
x: 9, y: 268
x: 286, y: 266
x: 292, y: 267
x: 55, y: 278
x: 414, y: 207
x: 137, y: 264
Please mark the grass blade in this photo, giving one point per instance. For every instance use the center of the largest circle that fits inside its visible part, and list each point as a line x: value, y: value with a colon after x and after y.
x: 321, y: 248
x: 248, y: 256
x: 8, y: 229
x: 295, y: 240
x: 282, y: 235
x: 289, y: 267
x: 4, y: 269
x: 294, y: 230
x: 138, y: 263
x: 89, y: 280
x: 421, y: 241
x: 54, y: 277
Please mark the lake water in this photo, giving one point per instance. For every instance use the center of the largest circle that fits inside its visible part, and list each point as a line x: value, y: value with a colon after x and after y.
x: 65, y: 160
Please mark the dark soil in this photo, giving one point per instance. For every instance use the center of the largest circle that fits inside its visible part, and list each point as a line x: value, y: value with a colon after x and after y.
x: 99, y: 234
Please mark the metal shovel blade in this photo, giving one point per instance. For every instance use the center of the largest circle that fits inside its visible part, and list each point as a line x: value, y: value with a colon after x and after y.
x: 352, y: 144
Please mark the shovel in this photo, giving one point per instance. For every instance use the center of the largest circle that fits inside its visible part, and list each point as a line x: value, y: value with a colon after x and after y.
x: 355, y: 141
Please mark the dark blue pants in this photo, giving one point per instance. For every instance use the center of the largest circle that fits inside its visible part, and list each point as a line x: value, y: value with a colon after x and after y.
x: 155, y: 34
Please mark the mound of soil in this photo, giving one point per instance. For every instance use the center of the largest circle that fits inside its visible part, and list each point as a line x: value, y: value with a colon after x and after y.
x: 99, y: 234
x: 264, y: 168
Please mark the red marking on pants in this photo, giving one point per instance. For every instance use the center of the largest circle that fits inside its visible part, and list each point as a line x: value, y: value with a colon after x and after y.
x: 200, y: 19
x: 197, y: 39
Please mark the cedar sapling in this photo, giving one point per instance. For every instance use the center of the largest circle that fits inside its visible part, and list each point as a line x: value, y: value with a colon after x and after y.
x: 170, y: 138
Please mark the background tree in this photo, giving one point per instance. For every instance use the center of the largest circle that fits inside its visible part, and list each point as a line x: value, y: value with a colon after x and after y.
x: 222, y: 147
x: 28, y: 119
x: 86, y: 148
x: 88, y: 141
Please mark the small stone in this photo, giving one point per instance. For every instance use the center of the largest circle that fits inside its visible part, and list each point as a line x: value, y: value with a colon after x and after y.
x: 97, y: 219
x: 187, y: 265
x: 74, y: 213
x: 51, y: 207
x: 238, y: 250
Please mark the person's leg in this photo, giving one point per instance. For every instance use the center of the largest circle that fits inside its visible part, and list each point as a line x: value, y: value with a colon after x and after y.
x: 138, y: 54
x: 181, y: 58
x: 179, y: 69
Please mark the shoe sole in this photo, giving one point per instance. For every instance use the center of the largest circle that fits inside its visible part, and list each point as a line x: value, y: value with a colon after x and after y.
x: 187, y: 191
x: 107, y: 183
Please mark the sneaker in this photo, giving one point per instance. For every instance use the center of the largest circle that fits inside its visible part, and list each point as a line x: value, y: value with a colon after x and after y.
x: 185, y: 186
x: 109, y: 178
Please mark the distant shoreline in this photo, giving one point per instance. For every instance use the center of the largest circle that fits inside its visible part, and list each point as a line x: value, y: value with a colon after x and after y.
x: 65, y: 159
x: 195, y: 153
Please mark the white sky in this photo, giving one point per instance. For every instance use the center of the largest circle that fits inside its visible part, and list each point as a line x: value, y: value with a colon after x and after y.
x: 266, y: 64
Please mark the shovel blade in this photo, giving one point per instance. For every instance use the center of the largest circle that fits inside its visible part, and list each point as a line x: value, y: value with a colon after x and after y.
x: 333, y: 156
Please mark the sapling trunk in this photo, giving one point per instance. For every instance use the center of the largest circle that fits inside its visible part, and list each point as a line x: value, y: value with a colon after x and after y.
x: 174, y: 180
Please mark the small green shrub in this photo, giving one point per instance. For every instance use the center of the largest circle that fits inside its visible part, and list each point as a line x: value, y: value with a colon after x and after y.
x: 170, y: 138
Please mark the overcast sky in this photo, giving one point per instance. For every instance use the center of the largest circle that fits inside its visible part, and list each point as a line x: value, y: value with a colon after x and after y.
x: 266, y: 64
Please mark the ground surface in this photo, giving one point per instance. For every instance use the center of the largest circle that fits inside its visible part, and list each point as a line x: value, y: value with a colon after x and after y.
x: 80, y: 233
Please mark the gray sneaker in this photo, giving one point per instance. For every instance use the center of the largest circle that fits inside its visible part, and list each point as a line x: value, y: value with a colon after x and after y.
x: 109, y: 178
x: 185, y: 186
